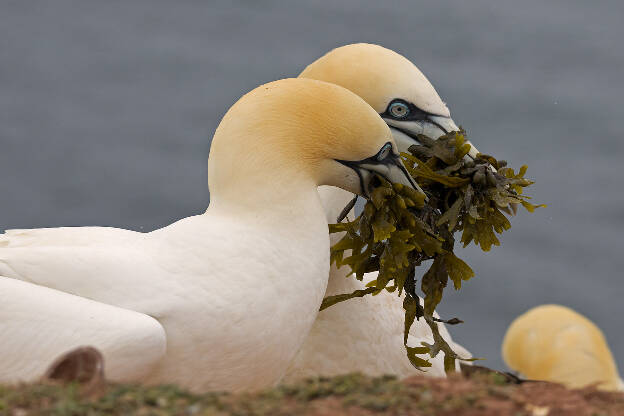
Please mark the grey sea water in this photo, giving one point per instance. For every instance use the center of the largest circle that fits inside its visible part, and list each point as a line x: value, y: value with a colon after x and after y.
x: 107, y: 109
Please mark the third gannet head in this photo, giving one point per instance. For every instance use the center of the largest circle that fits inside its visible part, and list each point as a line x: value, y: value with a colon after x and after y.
x: 555, y: 343
x: 295, y: 130
x: 392, y: 85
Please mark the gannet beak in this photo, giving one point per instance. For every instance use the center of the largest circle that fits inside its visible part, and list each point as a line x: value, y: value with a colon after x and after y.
x: 445, y: 124
x: 387, y: 164
x: 448, y: 125
x: 393, y: 172
x: 406, y: 133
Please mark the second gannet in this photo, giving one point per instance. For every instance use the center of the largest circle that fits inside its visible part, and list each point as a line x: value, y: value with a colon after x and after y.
x: 221, y: 300
x: 366, y: 334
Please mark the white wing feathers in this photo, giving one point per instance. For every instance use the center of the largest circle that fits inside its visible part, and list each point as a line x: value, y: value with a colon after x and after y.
x: 65, y: 236
x: 108, y: 265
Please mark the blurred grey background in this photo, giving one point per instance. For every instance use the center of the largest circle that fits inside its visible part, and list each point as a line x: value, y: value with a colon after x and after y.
x: 107, y: 109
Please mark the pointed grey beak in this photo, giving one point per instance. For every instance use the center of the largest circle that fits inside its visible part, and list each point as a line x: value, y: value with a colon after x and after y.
x: 446, y: 124
x: 449, y: 125
x: 406, y: 133
x: 387, y: 164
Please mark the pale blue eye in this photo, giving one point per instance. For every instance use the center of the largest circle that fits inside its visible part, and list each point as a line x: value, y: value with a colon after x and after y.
x: 384, y: 152
x: 399, y: 110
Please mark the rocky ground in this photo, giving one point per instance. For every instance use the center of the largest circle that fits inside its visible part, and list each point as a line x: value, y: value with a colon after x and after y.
x: 480, y: 394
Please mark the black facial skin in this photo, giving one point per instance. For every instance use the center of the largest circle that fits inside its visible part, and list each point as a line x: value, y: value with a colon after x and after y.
x: 390, y: 158
x: 414, y: 114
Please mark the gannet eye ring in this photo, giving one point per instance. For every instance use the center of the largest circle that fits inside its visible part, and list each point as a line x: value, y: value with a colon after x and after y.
x: 399, y: 109
x: 384, y: 152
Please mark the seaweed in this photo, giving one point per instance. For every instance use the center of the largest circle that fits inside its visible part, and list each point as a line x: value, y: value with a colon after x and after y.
x: 398, y: 230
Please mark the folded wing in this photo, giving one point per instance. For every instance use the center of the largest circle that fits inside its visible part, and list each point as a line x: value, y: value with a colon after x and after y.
x: 39, y: 324
x: 109, y: 265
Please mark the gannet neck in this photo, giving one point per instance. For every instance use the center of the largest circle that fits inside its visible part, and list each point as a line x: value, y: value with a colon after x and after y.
x: 286, y: 207
x: 378, y: 75
x: 263, y: 194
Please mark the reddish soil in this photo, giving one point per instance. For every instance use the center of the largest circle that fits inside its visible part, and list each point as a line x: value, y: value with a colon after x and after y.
x: 483, y: 394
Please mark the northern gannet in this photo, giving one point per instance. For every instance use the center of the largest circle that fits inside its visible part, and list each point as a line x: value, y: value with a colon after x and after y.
x: 555, y: 343
x: 221, y: 300
x: 366, y: 334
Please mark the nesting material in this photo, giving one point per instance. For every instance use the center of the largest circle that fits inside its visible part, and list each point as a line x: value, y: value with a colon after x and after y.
x: 398, y: 230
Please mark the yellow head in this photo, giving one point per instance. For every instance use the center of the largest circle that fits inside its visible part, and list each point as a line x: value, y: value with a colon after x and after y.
x: 391, y: 84
x: 295, y: 130
x: 555, y: 343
